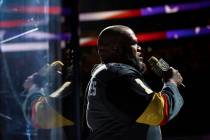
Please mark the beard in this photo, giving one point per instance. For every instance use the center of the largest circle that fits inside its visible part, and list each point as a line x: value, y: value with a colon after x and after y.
x: 139, y: 65
x: 142, y: 67
x: 136, y: 63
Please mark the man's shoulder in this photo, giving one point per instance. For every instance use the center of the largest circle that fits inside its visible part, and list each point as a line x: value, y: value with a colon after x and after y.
x: 98, y: 68
x: 113, y: 70
x: 122, y: 69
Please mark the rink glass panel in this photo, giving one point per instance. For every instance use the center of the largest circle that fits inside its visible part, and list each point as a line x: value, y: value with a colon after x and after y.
x: 32, y: 37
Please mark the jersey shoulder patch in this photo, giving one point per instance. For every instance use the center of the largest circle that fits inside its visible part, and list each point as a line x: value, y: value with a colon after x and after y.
x: 145, y: 87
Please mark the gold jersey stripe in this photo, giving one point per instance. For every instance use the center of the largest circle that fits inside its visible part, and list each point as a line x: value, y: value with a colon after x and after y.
x: 153, y: 114
x: 47, y: 117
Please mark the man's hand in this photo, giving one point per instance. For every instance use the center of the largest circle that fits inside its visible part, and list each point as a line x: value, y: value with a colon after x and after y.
x: 60, y: 91
x: 176, y: 77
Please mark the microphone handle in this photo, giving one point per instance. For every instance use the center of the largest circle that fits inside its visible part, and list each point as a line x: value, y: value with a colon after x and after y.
x: 182, y: 85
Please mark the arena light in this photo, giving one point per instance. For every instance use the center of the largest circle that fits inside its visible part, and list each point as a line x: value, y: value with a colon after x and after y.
x: 36, y: 9
x: 22, y: 47
x: 147, y: 11
x: 142, y: 37
x: 161, y: 35
x: 19, y: 35
x: 33, y: 36
x: 12, y: 23
x: 51, y: 10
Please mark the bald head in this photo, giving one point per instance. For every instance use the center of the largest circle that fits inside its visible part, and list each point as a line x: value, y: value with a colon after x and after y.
x: 118, y: 44
x: 113, y: 41
x: 117, y: 34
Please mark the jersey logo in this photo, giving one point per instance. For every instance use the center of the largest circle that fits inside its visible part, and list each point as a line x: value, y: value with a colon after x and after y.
x: 146, y: 88
x: 92, y: 89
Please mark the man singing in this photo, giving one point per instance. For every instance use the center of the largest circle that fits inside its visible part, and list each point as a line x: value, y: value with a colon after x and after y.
x: 120, y: 105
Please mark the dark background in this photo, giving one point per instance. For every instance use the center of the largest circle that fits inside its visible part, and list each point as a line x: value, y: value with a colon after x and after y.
x: 190, y: 55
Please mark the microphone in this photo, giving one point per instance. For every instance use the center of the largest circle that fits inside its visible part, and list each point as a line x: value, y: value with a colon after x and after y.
x: 161, y: 68
x: 54, y: 66
x: 40, y: 77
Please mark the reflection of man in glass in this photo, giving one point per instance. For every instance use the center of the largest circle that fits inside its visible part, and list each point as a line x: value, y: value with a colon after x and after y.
x: 39, y: 107
x: 34, y: 89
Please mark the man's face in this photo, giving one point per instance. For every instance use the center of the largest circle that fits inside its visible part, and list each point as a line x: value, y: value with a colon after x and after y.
x: 119, y: 44
x: 137, y: 51
x: 28, y: 82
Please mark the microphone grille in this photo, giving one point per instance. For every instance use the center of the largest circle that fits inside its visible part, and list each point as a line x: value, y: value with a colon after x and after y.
x: 48, y: 68
x: 153, y: 61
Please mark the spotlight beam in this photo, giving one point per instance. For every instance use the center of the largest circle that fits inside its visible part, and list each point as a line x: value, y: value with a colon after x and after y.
x: 19, y: 35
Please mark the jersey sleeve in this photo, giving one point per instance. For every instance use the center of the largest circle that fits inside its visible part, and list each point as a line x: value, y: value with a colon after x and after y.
x: 134, y: 97
x: 163, y: 106
x: 173, y: 99
x: 45, y: 116
x: 28, y: 104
